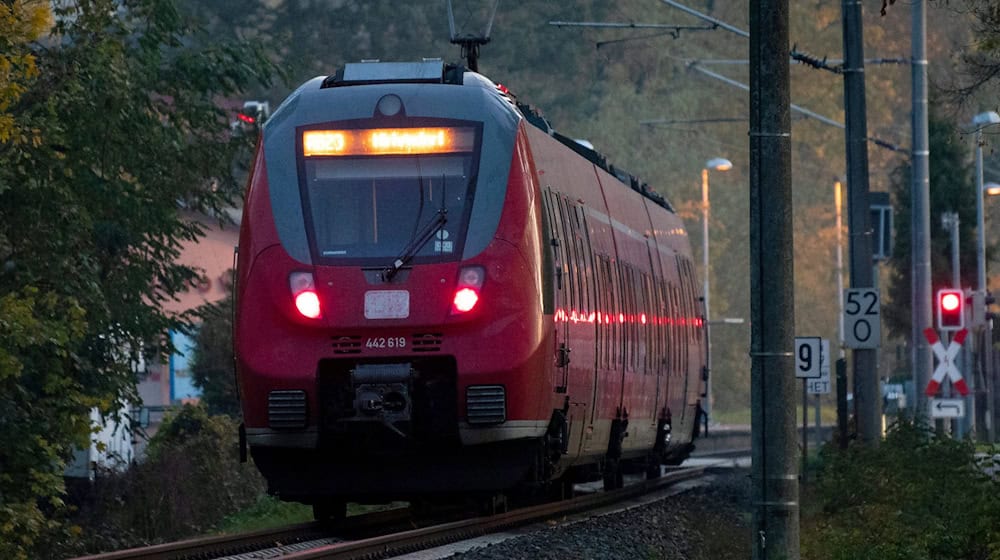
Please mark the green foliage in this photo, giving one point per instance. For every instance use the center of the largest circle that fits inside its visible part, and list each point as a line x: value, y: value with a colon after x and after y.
x: 265, y: 513
x: 914, y: 497
x: 189, y: 483
x: 110, y: 132
x: 951, y: 190
x: 212, y: 367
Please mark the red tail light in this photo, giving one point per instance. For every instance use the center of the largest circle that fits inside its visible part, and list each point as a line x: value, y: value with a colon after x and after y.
x: 304, y: 292
x: 470, y: 282
x: 465, y: 300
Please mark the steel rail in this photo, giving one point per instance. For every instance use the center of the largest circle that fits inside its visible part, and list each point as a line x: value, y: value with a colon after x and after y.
x: 224, y: 545
x: 394, y: 543
x: 446, y: 533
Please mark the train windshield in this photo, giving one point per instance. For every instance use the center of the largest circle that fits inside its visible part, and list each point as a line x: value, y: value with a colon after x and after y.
x: 368, y: 209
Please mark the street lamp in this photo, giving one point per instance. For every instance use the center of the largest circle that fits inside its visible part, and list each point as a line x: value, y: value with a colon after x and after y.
x: 714, y: 164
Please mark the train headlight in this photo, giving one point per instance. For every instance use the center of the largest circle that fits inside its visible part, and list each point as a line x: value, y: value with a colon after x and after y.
x: 470, y: 282
x: 304, y: 293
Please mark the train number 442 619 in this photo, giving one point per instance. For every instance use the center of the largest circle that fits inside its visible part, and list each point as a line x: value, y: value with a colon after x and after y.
x: 385, y: 342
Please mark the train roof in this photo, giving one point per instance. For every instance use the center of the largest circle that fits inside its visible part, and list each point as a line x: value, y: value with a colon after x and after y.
x: 436, y: 71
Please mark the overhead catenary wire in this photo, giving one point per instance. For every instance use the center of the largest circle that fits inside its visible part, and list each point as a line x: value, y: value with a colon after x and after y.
x: 693, y: 65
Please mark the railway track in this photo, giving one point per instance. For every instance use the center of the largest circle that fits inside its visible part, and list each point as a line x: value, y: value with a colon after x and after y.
x: 393, y: 531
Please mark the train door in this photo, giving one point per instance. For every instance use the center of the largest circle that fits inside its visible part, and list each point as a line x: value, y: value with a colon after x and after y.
x: 654, y: 341
x: 583, y: 329
x: 570, y: 369
x: 557, y: 242
x: 688, y: 339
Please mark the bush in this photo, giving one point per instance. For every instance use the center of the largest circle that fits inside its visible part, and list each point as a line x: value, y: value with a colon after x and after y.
x: 914, y: 497
x: 189, y: 482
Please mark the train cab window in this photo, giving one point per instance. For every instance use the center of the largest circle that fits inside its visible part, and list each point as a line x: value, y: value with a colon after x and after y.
x: 367, y: 207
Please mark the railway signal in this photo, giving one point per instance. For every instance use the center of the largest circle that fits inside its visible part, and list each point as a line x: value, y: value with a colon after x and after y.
x: 946, y: 367
x: 251, y: 117
x: 951, y: 310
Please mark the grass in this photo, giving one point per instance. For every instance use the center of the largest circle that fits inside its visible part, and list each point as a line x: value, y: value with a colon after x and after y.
x: 267, y: 513
x: 741, y: 417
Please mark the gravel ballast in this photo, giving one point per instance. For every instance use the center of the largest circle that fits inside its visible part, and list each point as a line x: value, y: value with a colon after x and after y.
x: 706, y: 522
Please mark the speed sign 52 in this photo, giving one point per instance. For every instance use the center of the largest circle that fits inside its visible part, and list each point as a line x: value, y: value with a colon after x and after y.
x: 862, y: 319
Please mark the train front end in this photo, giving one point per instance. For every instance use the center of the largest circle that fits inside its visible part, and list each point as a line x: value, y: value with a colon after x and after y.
x: 390, y: 334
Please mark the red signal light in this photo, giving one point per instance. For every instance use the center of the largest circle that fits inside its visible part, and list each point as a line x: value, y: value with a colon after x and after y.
x: 950, y: 309
x: 246, y: 118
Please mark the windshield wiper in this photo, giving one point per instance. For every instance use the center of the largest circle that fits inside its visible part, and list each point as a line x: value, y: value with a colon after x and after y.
x: 425, y: 235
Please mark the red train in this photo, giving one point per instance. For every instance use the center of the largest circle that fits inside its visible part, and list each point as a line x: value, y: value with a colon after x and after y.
x: 437, y: 293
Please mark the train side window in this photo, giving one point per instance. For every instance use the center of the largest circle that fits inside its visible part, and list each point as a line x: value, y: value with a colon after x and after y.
x: 642, y: 355
x: 675, y: 327
x: 578, y: 257
x: 580, y: 265
x: 614, y: 272
x: 556, y: 228
x: 685, y: 298
x: 587, y: 268
x: 662, y: 325
x: 622, y: 311
x: 602, y: 290
x: 632, y: 321
x: 649, y: 356
x: 570, y: 261
x: 609, y: 311
x: 693, y: 314
x: 549, y: 259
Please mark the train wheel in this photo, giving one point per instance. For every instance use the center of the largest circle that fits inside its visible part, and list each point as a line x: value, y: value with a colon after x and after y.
x: 653, y: 470
x: 613, y: 476
x: 561, y: 489
x: 330, y: 511
x: 492, y: 504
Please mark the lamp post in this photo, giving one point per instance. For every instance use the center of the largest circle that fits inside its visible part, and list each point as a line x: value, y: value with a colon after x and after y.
x: 979, y: 122
x: 714, y: 164
x: 989, y: 375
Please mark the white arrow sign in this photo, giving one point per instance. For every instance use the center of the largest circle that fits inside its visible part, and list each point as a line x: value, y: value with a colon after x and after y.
x: 947, y: 408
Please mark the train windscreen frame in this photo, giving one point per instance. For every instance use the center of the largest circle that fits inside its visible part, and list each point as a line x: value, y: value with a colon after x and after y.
x: 364, y: 206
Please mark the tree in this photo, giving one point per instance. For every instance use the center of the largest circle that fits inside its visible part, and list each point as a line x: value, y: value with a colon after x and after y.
x: 982, y: 60
x: 213, y: 368
x: 109, y: 127
x: 951, y: 190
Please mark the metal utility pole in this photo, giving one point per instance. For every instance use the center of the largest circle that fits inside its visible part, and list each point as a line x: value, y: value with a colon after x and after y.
x: 775, y: 485
x: 950, y: 222
x: 866, y: 388
x: 920, y: 216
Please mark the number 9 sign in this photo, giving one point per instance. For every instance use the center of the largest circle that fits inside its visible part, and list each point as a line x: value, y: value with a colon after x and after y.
x: 862, y: 320
x: 808, y: 357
